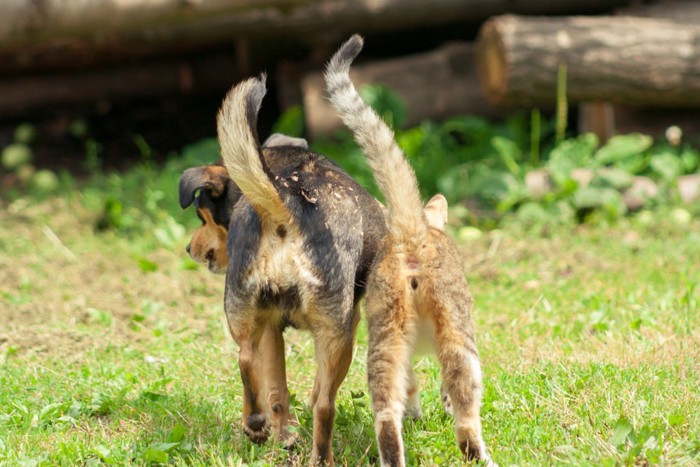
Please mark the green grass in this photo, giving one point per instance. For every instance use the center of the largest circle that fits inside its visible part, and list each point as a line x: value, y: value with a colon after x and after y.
x: 114, y: 349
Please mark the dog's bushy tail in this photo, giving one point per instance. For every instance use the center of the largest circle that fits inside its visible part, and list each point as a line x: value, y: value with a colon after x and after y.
x: 394, y: 176
x: 241, y: 151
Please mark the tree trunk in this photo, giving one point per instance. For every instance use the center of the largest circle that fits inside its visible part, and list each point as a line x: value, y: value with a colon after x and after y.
x: 433, y: 85
x: 627, y: 60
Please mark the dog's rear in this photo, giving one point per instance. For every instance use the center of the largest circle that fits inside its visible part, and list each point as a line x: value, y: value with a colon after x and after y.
x: 301, y: 242
x: 417, y: 279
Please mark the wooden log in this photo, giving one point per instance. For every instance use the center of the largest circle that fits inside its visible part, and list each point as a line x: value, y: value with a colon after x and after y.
x: 626, y: 60
x: 54, y: 33
x: 687, y: 11
x: 23, y: 96
x: 433, y: 85
x: 606, y: 119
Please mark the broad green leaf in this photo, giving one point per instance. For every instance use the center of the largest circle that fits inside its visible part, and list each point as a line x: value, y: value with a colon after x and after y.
x: 667, y: 165
x: 634, y: 164
x: 623, y: 428
x: 623, y: 146
x: 690, y: 159
x: 613, y: 178
x: 177, y: 434
x: 571, y: 154
x: 164, y: 446
x: 155, y: 455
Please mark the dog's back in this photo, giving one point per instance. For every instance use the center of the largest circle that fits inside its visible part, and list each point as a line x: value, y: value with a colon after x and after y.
x: 417, y: 279
x: 331, y: 237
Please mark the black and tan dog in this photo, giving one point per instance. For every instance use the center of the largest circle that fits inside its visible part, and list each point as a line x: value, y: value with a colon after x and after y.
x: 214, y: 195
x: 416, y: 289
x: 301, y: 239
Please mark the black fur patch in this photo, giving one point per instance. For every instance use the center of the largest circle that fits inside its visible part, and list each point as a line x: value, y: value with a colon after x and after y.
x: 345, y: 55
x: 253, y: 103
x: 256, y: 422
x: 243, y: 243
x: 286, y: 300
x: 469, y: 450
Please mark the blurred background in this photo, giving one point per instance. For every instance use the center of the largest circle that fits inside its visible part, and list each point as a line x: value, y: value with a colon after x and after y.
x: 482, y: 93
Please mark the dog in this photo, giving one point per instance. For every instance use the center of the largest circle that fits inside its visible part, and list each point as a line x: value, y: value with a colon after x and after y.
x: 214, y: 195
x: 416, y: 289
x: 301, y: 239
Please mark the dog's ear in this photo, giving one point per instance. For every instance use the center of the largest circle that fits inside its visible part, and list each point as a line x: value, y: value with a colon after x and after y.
x: 208, y: 177
x: 436, y: 212
x: 278, y: 139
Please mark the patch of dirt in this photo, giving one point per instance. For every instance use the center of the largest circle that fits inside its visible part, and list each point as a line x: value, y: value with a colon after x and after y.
x: 65, y: 289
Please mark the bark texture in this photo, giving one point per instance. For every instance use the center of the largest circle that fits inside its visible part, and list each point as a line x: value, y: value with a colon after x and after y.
x: 620, y: 59
x: 433, y: 85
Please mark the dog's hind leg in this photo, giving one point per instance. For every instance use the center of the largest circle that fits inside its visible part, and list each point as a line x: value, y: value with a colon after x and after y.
x: 333, y: 356
x: 255, y: 423
x: 277, y: 392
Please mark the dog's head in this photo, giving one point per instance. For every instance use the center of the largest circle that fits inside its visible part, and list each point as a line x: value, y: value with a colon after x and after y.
x: 214, y: 194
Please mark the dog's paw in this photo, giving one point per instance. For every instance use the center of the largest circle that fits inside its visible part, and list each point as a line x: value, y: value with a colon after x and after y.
x: 446, y: 401
x: 256, y: 429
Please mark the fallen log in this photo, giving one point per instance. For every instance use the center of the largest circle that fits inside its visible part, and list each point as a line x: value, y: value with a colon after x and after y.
x: 23, y: 96
x: 682, y: 11
x: 433, y: 85
x: 626, y: 60
x: 59, y: 33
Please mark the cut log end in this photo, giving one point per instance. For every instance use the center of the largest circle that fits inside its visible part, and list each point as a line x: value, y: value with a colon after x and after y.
x: 491, y: 60
x: 623, y: 60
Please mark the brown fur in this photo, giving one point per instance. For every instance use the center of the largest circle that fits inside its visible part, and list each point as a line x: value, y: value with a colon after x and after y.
x: 416, y: 290
x: 300, y: 243
x: 214, y: 195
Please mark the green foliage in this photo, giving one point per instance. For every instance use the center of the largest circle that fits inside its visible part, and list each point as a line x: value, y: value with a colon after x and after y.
x: 291, y: 122
x: 569, y: 155
x: 143, y: 200
x: 17, y: 159
x: 386, y: 102
x: 622, y: 147
x: 472, y: 161
x: 16, y: 155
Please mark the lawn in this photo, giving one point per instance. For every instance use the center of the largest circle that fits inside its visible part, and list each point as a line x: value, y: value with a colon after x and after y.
x: 114, y: 348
